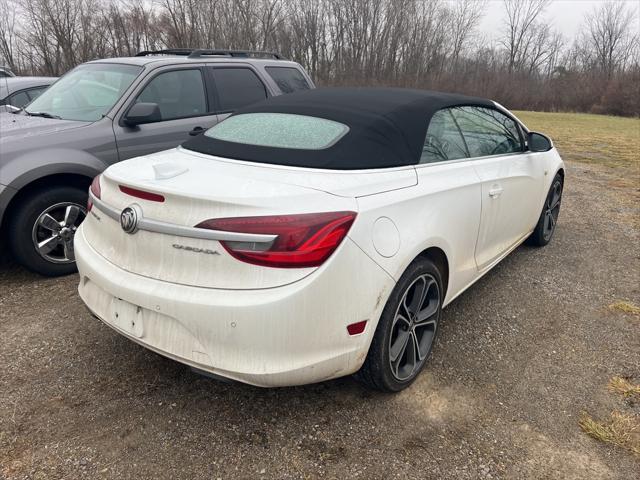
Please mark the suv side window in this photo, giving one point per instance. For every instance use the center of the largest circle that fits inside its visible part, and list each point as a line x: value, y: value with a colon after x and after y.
x: 444, y: 140
x: 178, y: 93
x: 237, y: 87
x: 288, y: 79
x: 487, y: 131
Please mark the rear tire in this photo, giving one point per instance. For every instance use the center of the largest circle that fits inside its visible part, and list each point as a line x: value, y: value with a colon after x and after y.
x: 47, y: 217
x: 546, y: 225
x: 388, y: 367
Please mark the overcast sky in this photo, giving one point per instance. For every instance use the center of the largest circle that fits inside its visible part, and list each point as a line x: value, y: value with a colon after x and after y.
x: 565, y: 15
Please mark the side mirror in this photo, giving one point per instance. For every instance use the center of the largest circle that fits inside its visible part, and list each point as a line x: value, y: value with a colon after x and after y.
x: 143, y: 113
x: 539, y: 142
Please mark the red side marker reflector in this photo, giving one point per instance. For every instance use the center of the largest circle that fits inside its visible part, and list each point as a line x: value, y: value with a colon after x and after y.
x: 356, y: 328
x: 134, y: 192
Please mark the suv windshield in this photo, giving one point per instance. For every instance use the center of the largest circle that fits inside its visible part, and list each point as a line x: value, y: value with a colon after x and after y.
x: 86, y: 93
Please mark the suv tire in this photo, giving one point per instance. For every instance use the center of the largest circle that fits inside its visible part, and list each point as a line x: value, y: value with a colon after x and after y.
x: 49, y: 218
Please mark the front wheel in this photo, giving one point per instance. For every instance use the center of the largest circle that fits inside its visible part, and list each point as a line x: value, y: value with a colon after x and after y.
x: 406, y: 330
x: 546, y: 225
x: 42, y: 227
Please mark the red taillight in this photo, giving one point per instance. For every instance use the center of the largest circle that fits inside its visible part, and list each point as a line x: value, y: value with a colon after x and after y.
x: 95, y: 190
x: 303, y: 240
x: 134, y: 192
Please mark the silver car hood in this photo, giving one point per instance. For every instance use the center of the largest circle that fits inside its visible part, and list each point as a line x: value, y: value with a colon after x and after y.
x: 18, y: 126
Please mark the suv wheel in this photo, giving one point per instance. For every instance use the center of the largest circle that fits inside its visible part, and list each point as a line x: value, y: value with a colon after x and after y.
x: 42, y: 227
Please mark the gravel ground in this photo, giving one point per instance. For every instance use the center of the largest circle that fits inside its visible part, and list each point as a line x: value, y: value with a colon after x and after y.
x: 520, y: 355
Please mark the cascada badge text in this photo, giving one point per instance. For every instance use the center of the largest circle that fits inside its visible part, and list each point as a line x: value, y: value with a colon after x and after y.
x: 194, y: 249
x: 129, y: 220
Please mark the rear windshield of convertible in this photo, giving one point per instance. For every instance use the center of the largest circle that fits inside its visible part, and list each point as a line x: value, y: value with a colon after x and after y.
x: 279, y: 130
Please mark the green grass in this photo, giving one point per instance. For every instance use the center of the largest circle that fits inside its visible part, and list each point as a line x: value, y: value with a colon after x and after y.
x: 600, y: 139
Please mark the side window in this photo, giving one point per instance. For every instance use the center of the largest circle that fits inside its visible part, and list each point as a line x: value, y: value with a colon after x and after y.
x: 487, y: 131
x: 288, y: 79
x: 35, y: 92
x: 444, y: 140
x: 237, y: 87
x: 19, y: 99
x: 179, y: 94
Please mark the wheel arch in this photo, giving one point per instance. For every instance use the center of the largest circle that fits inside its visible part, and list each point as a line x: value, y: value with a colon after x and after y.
x: 79, y: 180
x: 439, y: 258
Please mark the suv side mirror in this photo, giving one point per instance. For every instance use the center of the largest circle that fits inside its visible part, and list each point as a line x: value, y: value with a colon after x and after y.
x: 141, y: 113
x: 539, y: 142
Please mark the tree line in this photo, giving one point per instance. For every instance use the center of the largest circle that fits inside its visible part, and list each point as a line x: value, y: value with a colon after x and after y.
x: 433, y: 44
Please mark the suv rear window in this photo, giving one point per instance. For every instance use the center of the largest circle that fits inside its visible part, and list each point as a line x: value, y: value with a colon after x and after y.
x: 279, y: 130
x: 288, y: 79
x: 237, y: 87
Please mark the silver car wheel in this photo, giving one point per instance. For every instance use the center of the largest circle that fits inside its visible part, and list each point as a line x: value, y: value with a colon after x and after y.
x: 414, y: 327
x: 552, y: 210
x: 54, y: 229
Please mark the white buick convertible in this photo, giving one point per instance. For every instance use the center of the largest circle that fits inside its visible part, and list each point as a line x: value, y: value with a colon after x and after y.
x: 317, y: 234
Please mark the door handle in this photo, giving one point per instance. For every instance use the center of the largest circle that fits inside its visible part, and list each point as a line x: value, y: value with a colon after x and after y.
x: 196, y: 131
x: 495, y: 192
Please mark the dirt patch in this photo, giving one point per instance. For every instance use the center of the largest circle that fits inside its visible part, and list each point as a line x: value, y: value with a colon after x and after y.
x: 519, y: 357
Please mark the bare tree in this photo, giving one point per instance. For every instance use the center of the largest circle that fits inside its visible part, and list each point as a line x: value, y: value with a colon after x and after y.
x: 415, y: 43
x: 465, y: 16
x: 521, y: 29
x: 609, y: 38
x: 8, y: 34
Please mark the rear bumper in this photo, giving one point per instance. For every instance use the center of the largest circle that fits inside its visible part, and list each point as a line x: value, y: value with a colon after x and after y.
x: 288, y: 335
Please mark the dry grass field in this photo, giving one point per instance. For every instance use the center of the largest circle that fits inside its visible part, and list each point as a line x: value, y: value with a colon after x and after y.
x: 603, y: 140
x: 610, y: 144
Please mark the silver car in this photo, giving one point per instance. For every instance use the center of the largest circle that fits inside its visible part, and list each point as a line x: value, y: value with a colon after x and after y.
x: 6, y: 72
x: 16, y: 92
x: 105, y: 111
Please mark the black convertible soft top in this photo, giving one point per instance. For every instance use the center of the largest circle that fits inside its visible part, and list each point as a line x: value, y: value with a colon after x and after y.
x: 387, y: 127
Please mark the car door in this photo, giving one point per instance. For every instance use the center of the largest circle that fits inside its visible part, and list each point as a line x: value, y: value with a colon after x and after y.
x: 235, y: 86
x: 450, y: 190
x: 511, y: 180
x: 185, y: 106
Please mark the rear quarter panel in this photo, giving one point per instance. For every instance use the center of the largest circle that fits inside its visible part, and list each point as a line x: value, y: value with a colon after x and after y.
x: 442, y: 210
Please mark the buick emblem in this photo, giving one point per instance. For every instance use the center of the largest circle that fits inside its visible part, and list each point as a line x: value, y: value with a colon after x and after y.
x: 129, y: 219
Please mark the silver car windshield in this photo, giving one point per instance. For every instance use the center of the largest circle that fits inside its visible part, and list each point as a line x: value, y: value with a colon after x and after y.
x: 86, y: 93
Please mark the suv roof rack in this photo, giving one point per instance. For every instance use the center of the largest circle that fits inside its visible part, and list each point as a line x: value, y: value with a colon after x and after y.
x: 168, y: 51
x: 203, y: 52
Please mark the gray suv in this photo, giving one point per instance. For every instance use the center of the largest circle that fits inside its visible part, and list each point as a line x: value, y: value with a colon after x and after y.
x: 105, y: 111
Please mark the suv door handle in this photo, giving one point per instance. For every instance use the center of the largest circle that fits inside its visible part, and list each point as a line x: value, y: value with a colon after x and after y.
x: 196, y: 131
x: 495, y: 192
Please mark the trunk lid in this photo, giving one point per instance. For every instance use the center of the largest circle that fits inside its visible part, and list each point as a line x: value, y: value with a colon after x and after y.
x: 198, y: 187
